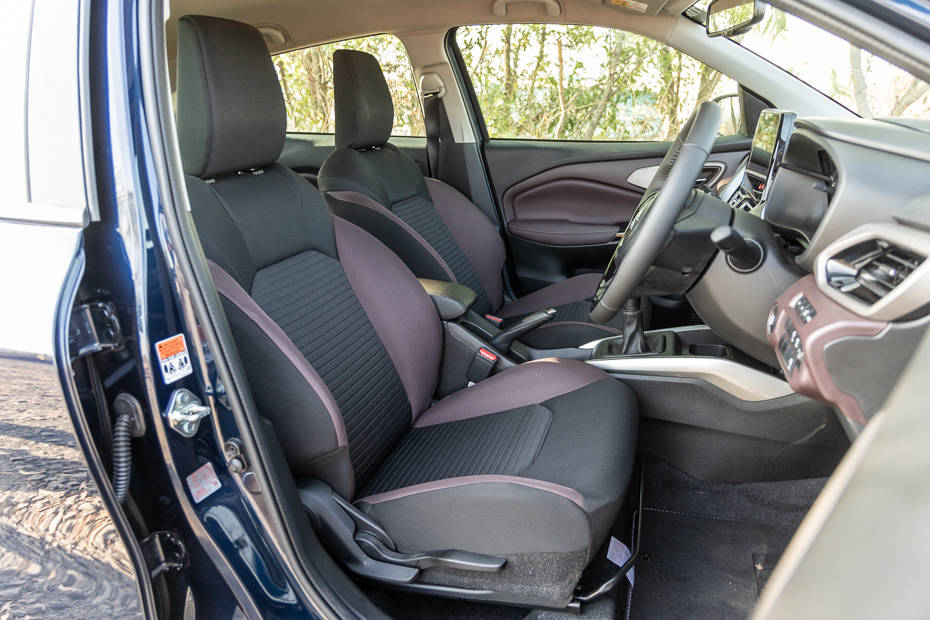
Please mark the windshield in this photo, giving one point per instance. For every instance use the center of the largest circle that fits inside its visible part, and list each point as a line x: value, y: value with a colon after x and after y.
x: 855, y: 78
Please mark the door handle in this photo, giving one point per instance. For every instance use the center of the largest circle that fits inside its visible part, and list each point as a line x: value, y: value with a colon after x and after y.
x: 642, y: 177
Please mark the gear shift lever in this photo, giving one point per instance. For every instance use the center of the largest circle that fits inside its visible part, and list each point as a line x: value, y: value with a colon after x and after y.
x: 634, y: 340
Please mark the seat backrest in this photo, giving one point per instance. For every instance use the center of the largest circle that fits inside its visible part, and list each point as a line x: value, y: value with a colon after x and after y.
x: 340, y: 343
x: 438, y: 232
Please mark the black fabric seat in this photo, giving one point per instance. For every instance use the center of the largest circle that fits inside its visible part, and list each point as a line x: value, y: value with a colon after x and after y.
x: 436, y: 230
x: 342, y: 349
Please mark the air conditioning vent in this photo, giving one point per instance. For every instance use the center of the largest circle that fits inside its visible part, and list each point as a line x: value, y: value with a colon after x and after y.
x: 870, y: 270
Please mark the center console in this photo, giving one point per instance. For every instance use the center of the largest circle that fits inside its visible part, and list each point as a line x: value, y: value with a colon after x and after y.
x: 694, y: 353
x: 474, y: 348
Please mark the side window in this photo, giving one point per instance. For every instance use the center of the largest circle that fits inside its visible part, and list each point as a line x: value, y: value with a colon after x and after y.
x: 307, y: 81
x: 555, y: 82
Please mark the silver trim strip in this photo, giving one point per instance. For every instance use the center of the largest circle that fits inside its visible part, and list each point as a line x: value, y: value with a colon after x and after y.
x: 642, y: 177
x: 39, y: 213
x: 740, y: 381
x: 593, y: 344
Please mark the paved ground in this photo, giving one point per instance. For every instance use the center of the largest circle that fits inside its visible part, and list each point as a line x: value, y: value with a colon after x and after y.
x: 59, y: 552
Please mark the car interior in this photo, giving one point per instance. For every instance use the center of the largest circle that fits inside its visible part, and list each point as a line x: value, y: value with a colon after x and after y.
x: 519, y: 377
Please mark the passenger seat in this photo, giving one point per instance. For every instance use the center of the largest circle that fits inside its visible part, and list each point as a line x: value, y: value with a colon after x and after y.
x: 435, y: 229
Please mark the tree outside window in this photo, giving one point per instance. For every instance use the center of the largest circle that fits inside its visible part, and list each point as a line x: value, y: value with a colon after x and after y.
x: 557, y: 82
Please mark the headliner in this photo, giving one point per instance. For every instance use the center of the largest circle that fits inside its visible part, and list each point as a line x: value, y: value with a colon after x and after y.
x: 310, y: 22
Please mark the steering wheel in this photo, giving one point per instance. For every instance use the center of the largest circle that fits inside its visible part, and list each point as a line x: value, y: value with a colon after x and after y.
x: 654, y: 217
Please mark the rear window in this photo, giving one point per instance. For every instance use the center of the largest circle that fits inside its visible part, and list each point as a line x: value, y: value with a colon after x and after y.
x: 307, y: 81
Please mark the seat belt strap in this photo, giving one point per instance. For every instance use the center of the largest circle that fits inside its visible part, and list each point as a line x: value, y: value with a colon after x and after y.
x: 432, y: 108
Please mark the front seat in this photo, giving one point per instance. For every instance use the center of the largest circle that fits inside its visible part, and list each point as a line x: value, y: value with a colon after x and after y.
x: 342, y: 347
x: 436, y: 230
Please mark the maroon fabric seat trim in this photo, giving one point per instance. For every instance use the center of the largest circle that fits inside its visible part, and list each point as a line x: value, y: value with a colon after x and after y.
x: 437, y: 485
x: 529, y: 383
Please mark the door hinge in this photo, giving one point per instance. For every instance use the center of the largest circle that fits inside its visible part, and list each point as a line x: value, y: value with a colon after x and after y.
x: 164, y: 551
x: 93, y: 328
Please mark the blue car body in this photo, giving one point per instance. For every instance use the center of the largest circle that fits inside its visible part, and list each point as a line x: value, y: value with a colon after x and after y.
x: 65, y: 545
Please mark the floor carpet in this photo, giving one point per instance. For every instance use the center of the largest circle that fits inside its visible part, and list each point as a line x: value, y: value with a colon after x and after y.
x: 709, y: 550
x: 711, y: 547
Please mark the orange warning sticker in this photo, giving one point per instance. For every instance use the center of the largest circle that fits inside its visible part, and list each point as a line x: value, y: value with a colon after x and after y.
x: 171, y: 347
x: 173, y: 358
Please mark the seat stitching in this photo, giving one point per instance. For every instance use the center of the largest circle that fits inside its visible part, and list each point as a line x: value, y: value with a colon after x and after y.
x: 568, y: 493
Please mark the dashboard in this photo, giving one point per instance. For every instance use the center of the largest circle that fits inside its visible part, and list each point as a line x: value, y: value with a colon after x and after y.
x: 850, y: 200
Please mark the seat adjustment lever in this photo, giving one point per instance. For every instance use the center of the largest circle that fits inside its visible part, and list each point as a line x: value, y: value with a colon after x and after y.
x: 446, y: 558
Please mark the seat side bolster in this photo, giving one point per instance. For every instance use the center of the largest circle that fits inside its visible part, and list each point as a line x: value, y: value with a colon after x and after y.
x: 475, y: 234
x: 398, y: 307
x: 392, y: 231
x: 497, y: 515
x: 232, y: 291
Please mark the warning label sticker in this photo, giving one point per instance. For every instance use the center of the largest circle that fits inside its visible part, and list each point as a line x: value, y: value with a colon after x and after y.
x: 618, y: 553
x: 173, y: 358
x: 639, y: 7
x: 203, y: 483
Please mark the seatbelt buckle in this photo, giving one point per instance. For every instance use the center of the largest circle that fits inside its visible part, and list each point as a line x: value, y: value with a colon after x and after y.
x: 496, y: 320
x: 481, y: 366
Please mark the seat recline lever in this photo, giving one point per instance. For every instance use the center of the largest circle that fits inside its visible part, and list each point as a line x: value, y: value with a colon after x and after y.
x: 446, y: 558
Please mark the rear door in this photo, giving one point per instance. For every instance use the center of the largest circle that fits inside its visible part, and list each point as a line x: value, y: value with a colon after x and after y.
x: 577, y: 119
x: 307, y: 81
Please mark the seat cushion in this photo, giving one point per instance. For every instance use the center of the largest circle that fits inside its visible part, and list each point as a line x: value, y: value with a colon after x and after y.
x: 531, y: 464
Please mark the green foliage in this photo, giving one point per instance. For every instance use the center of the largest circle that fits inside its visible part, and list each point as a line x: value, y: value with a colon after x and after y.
x: 306, y: 77
x: 560, y: 82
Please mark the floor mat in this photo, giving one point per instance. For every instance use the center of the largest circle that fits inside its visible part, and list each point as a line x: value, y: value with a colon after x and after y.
x: 701, y: 567
x: 711, y: 547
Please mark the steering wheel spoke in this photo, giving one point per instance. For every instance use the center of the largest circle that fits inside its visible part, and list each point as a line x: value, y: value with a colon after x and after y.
x: 657, y: 212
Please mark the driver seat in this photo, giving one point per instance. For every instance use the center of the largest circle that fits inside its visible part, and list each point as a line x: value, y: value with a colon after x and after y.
x: 431, y: 226
x: 342, y: 350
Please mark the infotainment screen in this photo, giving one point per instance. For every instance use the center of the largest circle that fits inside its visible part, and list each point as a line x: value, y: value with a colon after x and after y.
x: 768, y: 145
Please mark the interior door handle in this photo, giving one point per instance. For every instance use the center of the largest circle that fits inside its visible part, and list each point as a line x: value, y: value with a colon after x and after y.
x: 553, y: 8
x: 642, y: 177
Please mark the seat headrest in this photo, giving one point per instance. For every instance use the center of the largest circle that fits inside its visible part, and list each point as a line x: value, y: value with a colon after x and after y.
x: 364, y: 109
x: 230, y: 110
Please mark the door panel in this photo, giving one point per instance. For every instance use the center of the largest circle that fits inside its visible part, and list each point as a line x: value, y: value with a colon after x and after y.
x: 305, y: 153
x: 564, y: 203
x: 579, y: 204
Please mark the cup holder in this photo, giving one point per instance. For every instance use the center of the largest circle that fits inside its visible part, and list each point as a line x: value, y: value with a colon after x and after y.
x: 709, y: 350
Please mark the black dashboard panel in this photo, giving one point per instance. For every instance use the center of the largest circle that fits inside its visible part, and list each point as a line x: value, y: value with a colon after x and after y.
x: 803, y: 187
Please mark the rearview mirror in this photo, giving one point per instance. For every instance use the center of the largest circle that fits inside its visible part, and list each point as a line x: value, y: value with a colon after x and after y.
x: 732, y: 17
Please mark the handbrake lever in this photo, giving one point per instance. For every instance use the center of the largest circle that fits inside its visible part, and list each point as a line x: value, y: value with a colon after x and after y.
x: 504, y: 339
